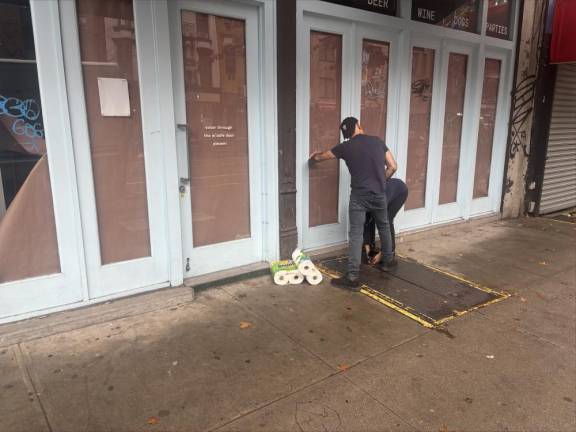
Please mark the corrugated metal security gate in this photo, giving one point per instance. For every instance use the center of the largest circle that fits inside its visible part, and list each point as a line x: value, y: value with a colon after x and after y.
x: 559, y: 188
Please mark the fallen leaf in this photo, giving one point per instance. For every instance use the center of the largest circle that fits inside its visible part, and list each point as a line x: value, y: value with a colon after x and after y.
x: 245, y: 324
x: 544, y: 263
x: 489, y: 356
x: 153, y: 420
x: 343, y: 367
x: 175, y: 363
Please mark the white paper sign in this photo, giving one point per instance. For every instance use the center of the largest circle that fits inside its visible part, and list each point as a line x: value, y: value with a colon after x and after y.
x: 114, y: 98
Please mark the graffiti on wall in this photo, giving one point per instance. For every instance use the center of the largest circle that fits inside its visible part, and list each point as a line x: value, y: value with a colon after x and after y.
x: 522, y: 98
x: 23, y: 116
x: 523, y: 93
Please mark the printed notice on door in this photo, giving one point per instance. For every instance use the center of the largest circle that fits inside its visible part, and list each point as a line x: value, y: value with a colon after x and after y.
x: 219, y: 135
x: 215, y: 80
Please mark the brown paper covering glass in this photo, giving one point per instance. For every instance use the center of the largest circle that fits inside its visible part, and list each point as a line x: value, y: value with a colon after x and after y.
x: 325, y: 100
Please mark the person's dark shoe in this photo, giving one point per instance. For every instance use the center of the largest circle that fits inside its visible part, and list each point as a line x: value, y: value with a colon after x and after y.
x: 389, y: 265
x: 346, y: 283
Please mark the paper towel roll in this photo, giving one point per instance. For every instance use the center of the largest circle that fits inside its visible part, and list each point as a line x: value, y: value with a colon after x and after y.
x: 281, y: 278
x: 297, y: 252
x: 314, y: 278
x: 304, y: 263
x: 296, y: 278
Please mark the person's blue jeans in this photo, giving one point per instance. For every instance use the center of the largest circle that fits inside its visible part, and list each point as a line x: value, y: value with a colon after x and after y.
x: 360, y: 203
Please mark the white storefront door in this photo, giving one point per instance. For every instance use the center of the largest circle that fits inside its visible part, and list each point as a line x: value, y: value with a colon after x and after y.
x: 217, y: 68
x: 347, y: 69
x: 113, y: 92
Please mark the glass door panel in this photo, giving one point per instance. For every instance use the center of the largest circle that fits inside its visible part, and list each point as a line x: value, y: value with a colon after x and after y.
x: 110, y: 64
x: 453, y: 117
x: 28, y: 243
x: 374, y: 96
x: 216, y: 115
x: 423, y: 60
x: 325, y: 113
x: 486, y: 129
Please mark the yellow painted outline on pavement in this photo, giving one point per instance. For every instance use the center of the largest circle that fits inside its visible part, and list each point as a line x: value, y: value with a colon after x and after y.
x: 387, y: 301
x: 405, y: 310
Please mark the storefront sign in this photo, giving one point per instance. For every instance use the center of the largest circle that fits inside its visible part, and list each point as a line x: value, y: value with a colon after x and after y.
x: 456, y: 14
x: 386, y: 7
x: 498, y: 22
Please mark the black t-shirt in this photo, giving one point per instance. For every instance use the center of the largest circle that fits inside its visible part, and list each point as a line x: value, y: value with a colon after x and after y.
x: 365, y: 158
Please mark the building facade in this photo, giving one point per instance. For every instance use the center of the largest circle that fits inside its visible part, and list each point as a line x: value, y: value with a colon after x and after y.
x: 144, y: 142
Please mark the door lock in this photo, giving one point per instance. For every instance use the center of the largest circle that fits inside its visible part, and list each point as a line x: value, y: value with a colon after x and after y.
x: 183, y: 183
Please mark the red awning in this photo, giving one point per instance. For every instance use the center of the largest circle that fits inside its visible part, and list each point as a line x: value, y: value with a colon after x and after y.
x: 563, y: 48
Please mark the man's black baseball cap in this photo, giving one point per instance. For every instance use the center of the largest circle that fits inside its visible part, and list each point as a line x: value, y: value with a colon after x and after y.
x: 348, y: 126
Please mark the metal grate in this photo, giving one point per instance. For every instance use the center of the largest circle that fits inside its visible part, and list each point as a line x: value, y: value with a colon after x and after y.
x: 559, y: 188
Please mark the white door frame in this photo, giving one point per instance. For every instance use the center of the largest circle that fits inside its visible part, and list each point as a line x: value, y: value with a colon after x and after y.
x: 142, y: 273
x: 260, y: 44
x: 423, y: 216
x: 456, y: 210
x: 491, y: 203
x: 29, y: 297
x: 324, y: 235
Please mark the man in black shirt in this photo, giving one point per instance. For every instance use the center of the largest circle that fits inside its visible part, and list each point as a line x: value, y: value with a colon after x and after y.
x: 370, y: 163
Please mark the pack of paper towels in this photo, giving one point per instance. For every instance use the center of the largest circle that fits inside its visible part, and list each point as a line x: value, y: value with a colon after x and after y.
x: 297, y: 269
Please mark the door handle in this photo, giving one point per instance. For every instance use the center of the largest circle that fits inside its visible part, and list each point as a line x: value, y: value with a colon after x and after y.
x: 183, y: 127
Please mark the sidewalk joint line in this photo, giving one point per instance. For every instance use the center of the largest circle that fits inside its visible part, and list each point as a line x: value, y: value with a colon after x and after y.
x: 24, y: 363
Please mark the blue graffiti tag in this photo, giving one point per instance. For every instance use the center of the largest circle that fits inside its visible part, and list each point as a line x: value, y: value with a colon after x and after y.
x: 14, y: 107
x: 25, y: 112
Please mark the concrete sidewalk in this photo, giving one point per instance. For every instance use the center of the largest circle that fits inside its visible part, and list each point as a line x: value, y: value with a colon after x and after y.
x: 257, y: 357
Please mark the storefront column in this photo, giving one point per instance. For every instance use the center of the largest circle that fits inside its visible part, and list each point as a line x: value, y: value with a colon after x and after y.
x: 531, y: 22
x: 286, y: 57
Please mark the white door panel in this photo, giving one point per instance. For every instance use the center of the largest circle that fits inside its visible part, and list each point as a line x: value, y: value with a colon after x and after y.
x: 223, y: 230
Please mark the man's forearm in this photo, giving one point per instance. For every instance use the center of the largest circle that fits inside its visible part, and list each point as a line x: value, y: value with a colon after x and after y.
x: 322, y: 156
x: 390, y: 172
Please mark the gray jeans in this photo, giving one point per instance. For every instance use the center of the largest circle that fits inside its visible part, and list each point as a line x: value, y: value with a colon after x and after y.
x: 360, y: 203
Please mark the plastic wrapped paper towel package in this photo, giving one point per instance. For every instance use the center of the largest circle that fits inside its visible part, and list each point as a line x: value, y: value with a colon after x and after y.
x: 291, y: 272
x: 286, y: 273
